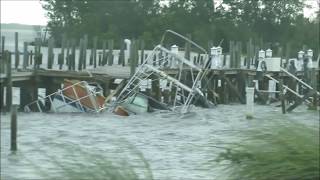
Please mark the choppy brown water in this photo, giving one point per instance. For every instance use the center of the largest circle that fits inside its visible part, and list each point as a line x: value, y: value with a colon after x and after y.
x: 60, y: 145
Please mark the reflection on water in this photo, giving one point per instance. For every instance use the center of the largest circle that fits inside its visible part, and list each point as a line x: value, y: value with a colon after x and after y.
x: 149, y: 146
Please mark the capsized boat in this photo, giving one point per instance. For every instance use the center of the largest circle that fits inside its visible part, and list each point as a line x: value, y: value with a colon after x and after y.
x: 75, y: 96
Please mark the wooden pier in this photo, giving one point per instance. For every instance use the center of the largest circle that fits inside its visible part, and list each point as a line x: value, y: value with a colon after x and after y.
x: 223, y: 85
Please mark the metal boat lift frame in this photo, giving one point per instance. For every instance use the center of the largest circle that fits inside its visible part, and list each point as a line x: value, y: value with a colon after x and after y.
x: 184, y: 94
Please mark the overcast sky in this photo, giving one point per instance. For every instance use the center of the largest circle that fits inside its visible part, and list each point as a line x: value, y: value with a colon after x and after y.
x: 31, y: 12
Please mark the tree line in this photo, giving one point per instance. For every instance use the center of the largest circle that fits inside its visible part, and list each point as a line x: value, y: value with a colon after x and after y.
x: 269, y: 23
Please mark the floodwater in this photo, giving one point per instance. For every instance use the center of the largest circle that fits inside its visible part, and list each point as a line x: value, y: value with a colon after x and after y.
x: 153, y: 146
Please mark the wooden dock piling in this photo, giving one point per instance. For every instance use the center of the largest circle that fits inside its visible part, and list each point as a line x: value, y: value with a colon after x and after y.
x: 104, y: 55
x: 50, y: 53
x: 282, y: 97
x: 100, y: 59
x: 133, y: 57
x: 25, y: 55
x: 9, y: 81
x: 17, y: 53
x: 68, y: 53
x: 14, y: 129
x: 85, y: 46
x: 3, y: 39
x: 61, y: 55
x: 2, y: 63
x: 81, y: 58
x: 30, y: 57
x: 187, y: 48
x: 110, y: 55
x: 73, y: 56
x: 25, y: 95
x: 142, y: 51
x: 314, y: 81
x: 94, y: 55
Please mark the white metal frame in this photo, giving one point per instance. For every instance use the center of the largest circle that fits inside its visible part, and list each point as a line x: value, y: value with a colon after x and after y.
x: 184, y: 94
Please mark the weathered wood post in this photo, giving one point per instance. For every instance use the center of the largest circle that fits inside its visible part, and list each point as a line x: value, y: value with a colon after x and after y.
x: 85, y: 46
x: 3, y: 39
x: 314, y: 81
x: 173, y: 94
x: 50, y: 53
x: 25, y: 55
x: 104, y: 55
x: 14, y: 129
x: 2, y: 70
x: 110, y: 52
x: 288, y: 51
x: 93, y: 56
x: 37, y: 53
x: 31, y: 57
x: 99, y: 58
x: 232, y: 55
x: 80, y: 61
x: 282, y: 96
x: 142, y: 51
x: 133, y: 57
x: 73, y: 55
x: 122, y: 54
x: 17, y: 53
x: 226, y: 92
x: 68, y: 53
x: 1, y: 96
x: 9, y: 81
x: 61, y: 55
x: 250, y: 53
x: 2, y: 65
x: 187, y: 48
x: 25, y: 94
x: 155, y: 88
x: 238, y: 54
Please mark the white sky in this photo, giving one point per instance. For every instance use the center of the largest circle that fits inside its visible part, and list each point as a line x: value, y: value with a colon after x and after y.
x: 22, y: 12
x: 31, y: 12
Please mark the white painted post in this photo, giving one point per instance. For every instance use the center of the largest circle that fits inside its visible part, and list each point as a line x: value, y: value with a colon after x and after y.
x: 310, y: 54
x: 213, y: 54
x: 163, y: 84
x: 149, y: 84
x: 174, y: 49
x: 256, y: 84
x: 219, y: 57
x: 128, y: 45
x: 268, y: 53
x: 144, y: 85
x: 262, y: 55
x: 272, y: 89
x: 250, y: 102
x: 299, y: 63
x: 227, y: 65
